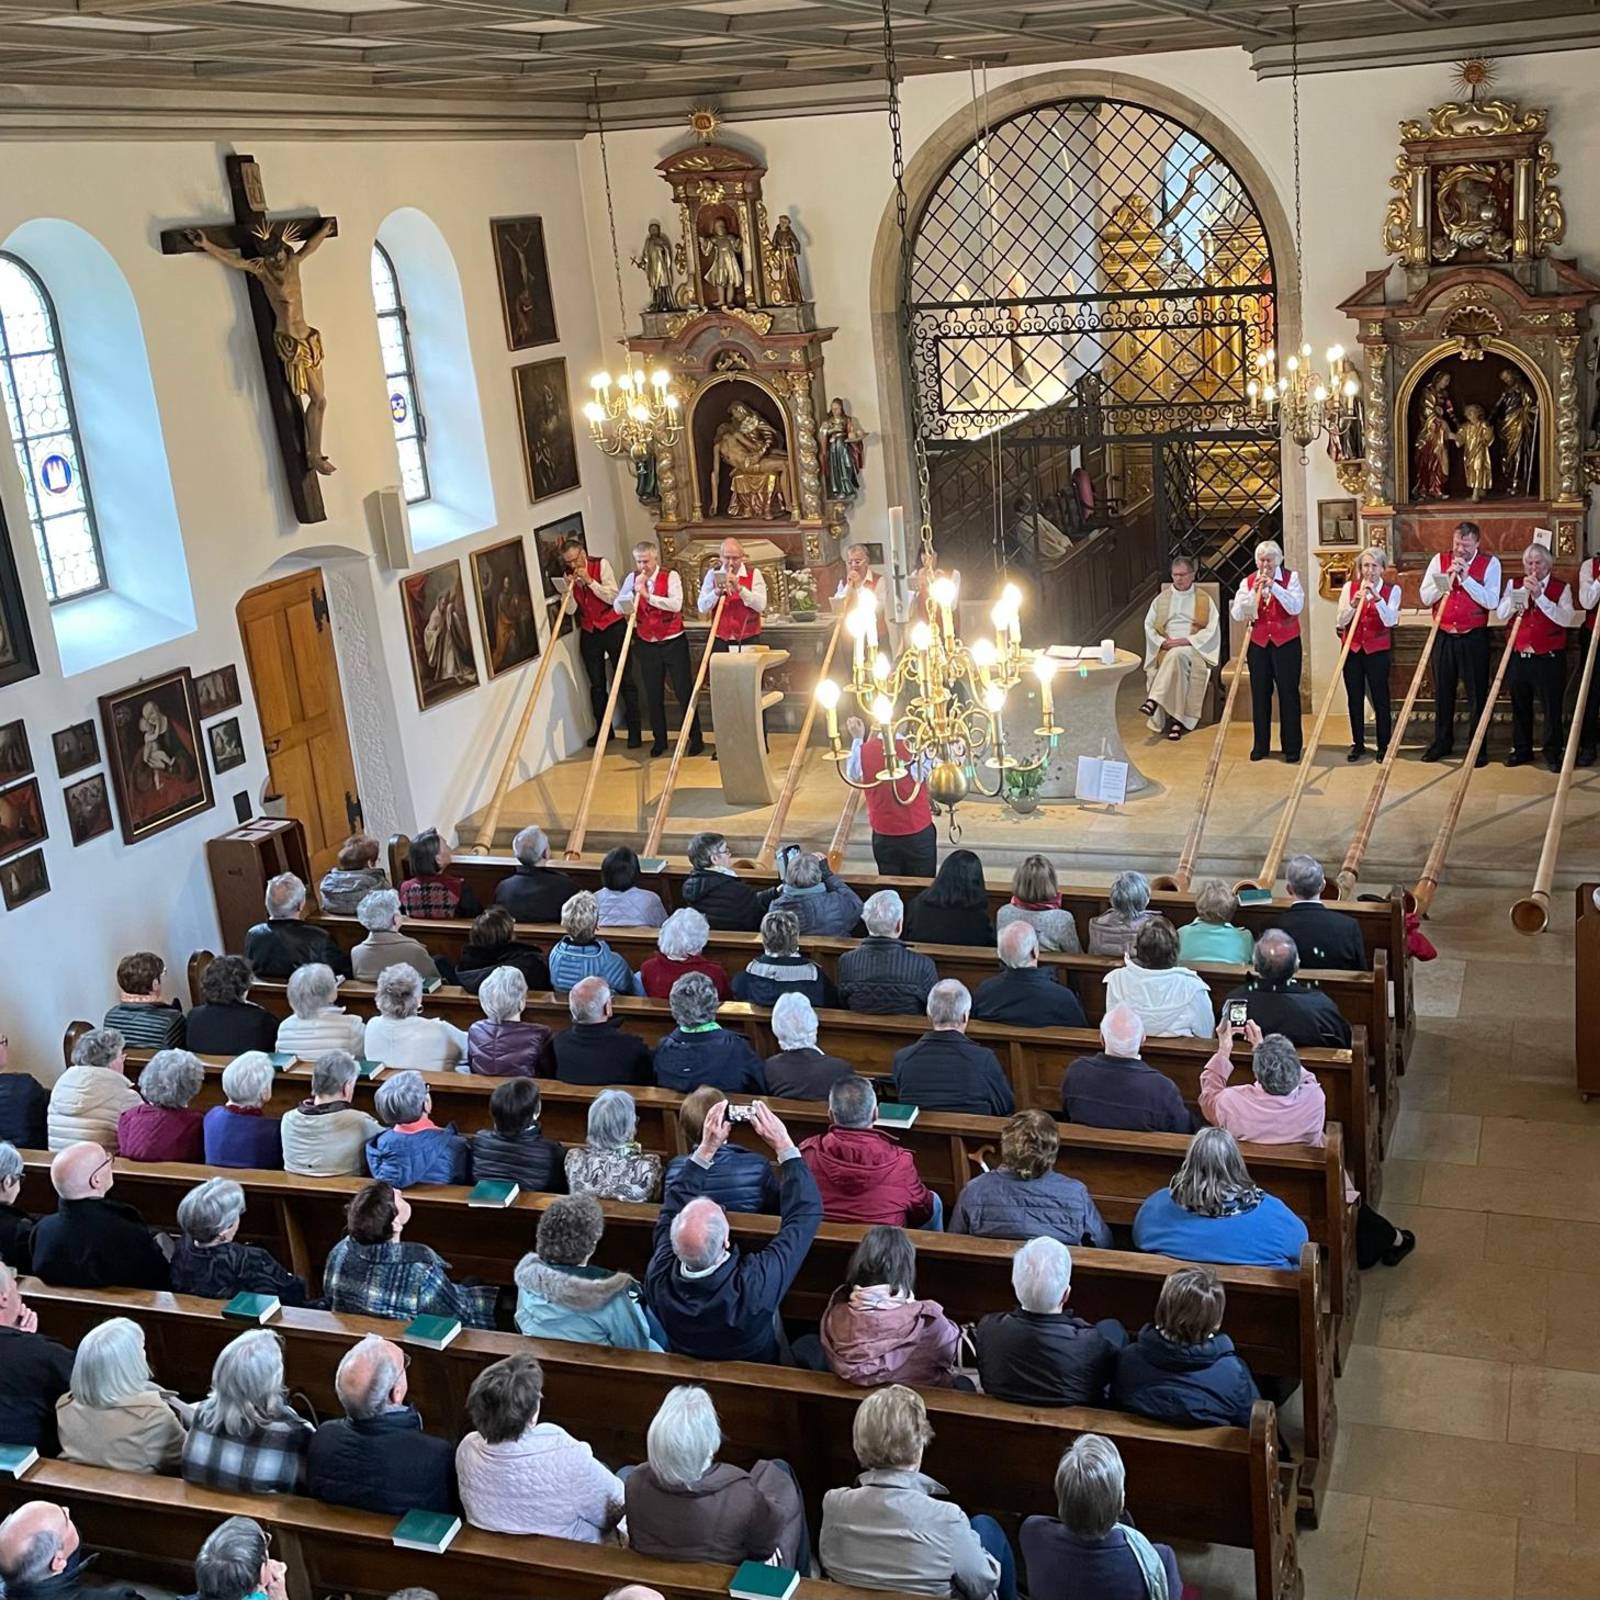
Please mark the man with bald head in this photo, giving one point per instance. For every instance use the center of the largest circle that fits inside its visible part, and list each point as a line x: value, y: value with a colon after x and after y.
x: 714, y: 1300
x: 1116, y: 1088
x: 594, y: 1050
x: 634, y: 1591
x: 92, y: 1242
x: 1278, y: 1002
x: 34, y: 1372
x: 40, y: 1557
x: 1023, y: 993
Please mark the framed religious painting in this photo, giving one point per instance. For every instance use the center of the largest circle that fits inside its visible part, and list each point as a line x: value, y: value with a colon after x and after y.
x: 88, y: 808
x: 24, y: 879
x: 544, y: 414
x: 227, y: 746
x: 21, y: 817
x: 1338, y: 522
x: 524, y: 275
x: 505, y: 605
x: 16, y: 759
x: 76, y: 747
x: 443, y: 663
x: 547, y: 542
x: 216, y: 692
x: 18, y: 659
x: 152, y: 734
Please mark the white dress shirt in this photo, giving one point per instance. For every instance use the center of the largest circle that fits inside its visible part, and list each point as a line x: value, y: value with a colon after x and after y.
x: 1589, y: 585
x: 1387, y: 605
x: 917, y: 766
x: 672, y: 600
x: 1436, y: 582
x: 755, y: 596
x: 605, y: 585
x: 1288, y: 595
x: 1559, y: 611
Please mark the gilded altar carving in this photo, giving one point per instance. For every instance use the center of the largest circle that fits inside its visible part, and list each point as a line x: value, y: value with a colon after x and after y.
x: 1568, y: 425
x: 1459, y: 119
x: 1551, y: 225
x: 805, y: 416
x: 1377, y: 413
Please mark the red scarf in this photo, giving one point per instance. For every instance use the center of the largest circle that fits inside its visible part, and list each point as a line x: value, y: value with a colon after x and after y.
x: 1052, y: 904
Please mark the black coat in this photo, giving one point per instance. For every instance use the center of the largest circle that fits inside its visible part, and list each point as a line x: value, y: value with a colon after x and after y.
x: 1028, y: 997
x: 1047, y: 1359
x: 535, y: 894
x: 1102, y: 1091
x: 230, y: 1030
x: 16, y: 1238
x: 931, y: 924
x: 1325, y: 937
x: 600, y: 1053
x: 1306, y: 1017
x: 945, y: 1071
x: 479, y: 960
x: 23, y: 1103
x: 804, y: 1074
x: 274, y: 949
x: 73, y: 1583
x: 384, y: 1463
x: 34, y: 1373
x: 529, y: 1160
x: 727, y: 903
x: 97, y: 1244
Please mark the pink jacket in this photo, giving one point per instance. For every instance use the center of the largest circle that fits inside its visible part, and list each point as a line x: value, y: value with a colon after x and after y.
x: 545, y: 1482
x: 872, y: 1338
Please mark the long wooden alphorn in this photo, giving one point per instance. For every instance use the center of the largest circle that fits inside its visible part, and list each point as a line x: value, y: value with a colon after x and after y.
x: 840, y: 842
x: 580, y: 823
x: 1428, y: 884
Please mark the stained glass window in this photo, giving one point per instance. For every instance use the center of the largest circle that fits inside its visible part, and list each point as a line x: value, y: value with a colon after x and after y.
x: 44, y: 432
x: 400, y: 378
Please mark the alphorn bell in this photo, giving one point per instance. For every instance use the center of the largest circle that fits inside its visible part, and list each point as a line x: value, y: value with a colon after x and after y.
x: 580, y: 823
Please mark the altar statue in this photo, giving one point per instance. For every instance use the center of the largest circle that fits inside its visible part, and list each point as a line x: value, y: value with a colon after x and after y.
x: 655, y: 261
x: 1475, y: 436
x: 724, y: 255
x: 1430, y: 455
x: 1516, y: 419
x: 786, y: 263
x: 840, y: 442
x: 758, y: 467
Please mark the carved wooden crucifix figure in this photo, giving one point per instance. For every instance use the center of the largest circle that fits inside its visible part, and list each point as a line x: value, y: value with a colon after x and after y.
x: 291, y: 349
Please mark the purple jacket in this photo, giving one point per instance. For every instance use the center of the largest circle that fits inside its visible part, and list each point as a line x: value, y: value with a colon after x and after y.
x: 236, y: 1138
x: 511, y: 1050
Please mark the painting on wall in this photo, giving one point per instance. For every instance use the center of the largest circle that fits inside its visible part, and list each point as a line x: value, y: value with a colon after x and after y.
x: 505, y: 605
x: 21, y: 817
x: 548, y: 541
x: 524, y: 275
x: 16, y: 759
x: 76, y: 747
x: 216, y: 692
x: 544, y: 414
x: 24, y: 879
x: 1337, y: 522
x: 152, y: 733
x: 18, y: 659
x: 227, y: 747
x: 443, y: 663
x: 88, y: 808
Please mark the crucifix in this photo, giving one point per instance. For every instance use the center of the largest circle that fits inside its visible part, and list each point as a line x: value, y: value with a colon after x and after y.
x: 291, y: 349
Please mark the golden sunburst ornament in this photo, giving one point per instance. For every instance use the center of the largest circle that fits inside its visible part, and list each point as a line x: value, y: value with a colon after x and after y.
x: 704, y: 122
x: 1473, y: 74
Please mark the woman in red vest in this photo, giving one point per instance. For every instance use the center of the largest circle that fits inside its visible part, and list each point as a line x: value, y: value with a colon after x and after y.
x: 659, y: 642
x: 1539, y: 663
x: 1589, y: 711
x: 1270, y: 599
x: 905, y: 843
x: 1366, y: 668
x: 1463, y: 587
x: 600, y: 634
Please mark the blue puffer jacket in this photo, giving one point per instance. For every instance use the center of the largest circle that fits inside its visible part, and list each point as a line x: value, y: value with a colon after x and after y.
x: 1206, y: 1384
x: 430, y: 1155
x: 739, y: 1180
x: 685, y: 1061
x: 1000, y: 1205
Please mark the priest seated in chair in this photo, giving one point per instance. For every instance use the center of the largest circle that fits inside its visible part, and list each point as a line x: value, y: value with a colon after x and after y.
x: 1182, y: 635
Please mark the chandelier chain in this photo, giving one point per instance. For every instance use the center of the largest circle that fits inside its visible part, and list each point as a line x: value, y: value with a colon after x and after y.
x: 1294, y: 85
x: 611, y: 211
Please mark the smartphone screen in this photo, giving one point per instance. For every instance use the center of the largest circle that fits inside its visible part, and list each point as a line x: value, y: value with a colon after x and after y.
x: 1238, y: 1013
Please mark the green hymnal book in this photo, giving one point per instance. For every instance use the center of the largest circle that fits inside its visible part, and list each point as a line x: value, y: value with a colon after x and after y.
x: 257, y: 1308
x: 17, y: 1459
x: 426, y: 1530
x: 430, y: 984
x: 894, y: 1115
x: 368, y: 1069
x: 756, y: 1581
x: 435, y: 1332
x: 282, y: 1059
x: 495, y: 1192
x: 652, y: 863
x: 1254, y: 897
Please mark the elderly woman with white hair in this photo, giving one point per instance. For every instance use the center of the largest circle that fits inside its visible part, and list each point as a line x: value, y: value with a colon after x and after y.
x: 610, y: 1165
x: 781, y: 968
x: 318, y: 1025
x: 116, y: 1415
x: 209, y: 1261
x: 16, y: 1226
x: 503, y: 1045
x: 413, y: 1148
x: 819, y: 900
x: 1213, y: 935
x: 385, y: 944
x: 237, y: 1133
x: 88, y: 1099
x: 400, y: 1036
x: 680, y: 948
x: 685, y: 1505
x: 1112, y: 931
x: 245, y: 1437
x: 581, y: 953
x: 164, y: 1127
x: 801, y: 1070
x: 699, y: 1050
x: 1270, y: 599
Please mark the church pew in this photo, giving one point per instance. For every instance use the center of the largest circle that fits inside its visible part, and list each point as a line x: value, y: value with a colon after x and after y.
x: 992, y: 1455
x: 1586, y: 979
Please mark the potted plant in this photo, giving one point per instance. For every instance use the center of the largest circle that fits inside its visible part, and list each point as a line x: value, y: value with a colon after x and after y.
x: 1022, y: 788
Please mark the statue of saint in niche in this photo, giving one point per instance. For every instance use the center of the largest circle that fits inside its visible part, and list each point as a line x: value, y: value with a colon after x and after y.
x: 655, y: 261
x: 1430, y: 453
x: 723, y: 254
x: 758, y: 467
x: 1475, y: 437
x: 1516, y: 420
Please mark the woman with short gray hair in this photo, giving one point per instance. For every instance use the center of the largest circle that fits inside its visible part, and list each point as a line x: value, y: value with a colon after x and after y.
x: 681, y: 949
x: 699, y: 1051
x: 227, y: 1022
x: 610, y: 1165
x: 16, y: 1226
x: 116, y: 1415
x: 580, y: 953
x: 561, y: 1296
x: 503, y: 1045
x: 1269, y: 601
x: 163, y: 1128
x: 1212, y: 936
x: 245, y: 1437
x: 1111, y: 933
x: 208, y: 1261
x: 401, y: 1037
x: 318, y: 1025
x: 89, y: 1097
x: 801, y: 1070
x: 781, y: 969
x: 385, y: 944
x: 237, y: 1134
x: 413, y: 1149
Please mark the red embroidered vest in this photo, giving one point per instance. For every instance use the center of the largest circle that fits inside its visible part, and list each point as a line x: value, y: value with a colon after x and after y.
x: 1371, y: 636
x: 1461, y: 612
x: 1539, y: 634
x: 594, y: 614
x: 739, y: 622
x: 655, y: 625
x: 1274, y: 625
x: 888, y: 810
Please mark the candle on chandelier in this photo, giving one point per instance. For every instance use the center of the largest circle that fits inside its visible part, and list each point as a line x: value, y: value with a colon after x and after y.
x: 943, y: 596
x: 828, y: 698
x: 1044, y: 669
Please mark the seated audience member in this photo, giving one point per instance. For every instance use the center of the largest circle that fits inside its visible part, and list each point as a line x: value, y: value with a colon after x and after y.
x: 713, y: 1299
x: 536, y: 891
x: 883, y: 976
x: 385, y: 945
x: 944, y: 1070
x: 35, y: 1373
x: 579, y: 953
x: 781, y: 969
x: 400, y: 1036
x: 1182, y: 1367
x: 1115, y: 1089
x: 596, y: 1049
x: 699, y: 1050
x: 237, y: 1133
x: 325, y: 1136
x: 209, y: 1261
x: 89, y: 1241
x: 1212, y: 936
x: 23, y: 1101
x: 503, y: 1045
x: 685, y: 1505
x: 116, y: 1415
x: 354, y: 874
x: 800, y: 1070
x: 225, y: 1023
x: 875, y: 1329
x: 1023, y: 993
x: 1278, y: 1002
x: 520, y: 1475
x: 432, y: 893
x: 41, y: 1558
x: 376, y: 1456
x: 1211, y: 1211
x: 88, y: 1099
x: 1170, y: 1000
x: 1324, y: 937
x: 513, y: 1147
x: 739, y: 1179
x: 245, y: 1437
x: 163, y: 1127
x: 493, y: 944
x: 892, y: 1530
x: 274, y: 948
x: 819, y: 902
x: 1111, y: 933
x: 680, y: 949
x: 1041, y: 1354
x: 561, y: 1296
x: 622, y: 903
x: 16, y: 1226
x: 1025, y: 1197
x: 235, y: 1563
x: 715, y: 890
x: 141, y: 1016
x: 609, y: 1164
x: 1091, y: 1547
x: 954, y: 908
x: 318, y: 1025
x: 413, y: 1149
x: 864, y: 1174
x: 373, y: 1272
x: 1036, y: 900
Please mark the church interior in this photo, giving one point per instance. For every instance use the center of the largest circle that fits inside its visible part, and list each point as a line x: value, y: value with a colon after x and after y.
x: 1153, y: 438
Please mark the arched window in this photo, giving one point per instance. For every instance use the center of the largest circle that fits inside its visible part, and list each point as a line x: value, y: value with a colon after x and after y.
x: 44, y: 432
x: 400, y: 378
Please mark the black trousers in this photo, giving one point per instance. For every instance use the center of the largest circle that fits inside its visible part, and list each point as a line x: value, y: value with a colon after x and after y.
x: 1276, y: 667
x: 1374, y: 1235
x: 1366, y: 677
x: 719, y: 646
x: 1542, y: 678
x: 599, y: 651
x: 667, y: 658
x: 1457, y: 658
x: 907, y: 855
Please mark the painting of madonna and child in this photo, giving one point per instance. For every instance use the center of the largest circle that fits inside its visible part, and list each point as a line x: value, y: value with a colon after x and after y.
x: 152, y: 735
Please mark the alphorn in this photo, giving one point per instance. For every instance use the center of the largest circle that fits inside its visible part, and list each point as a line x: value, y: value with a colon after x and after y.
x: 1428, y: 884
x: 580, y: 824
x: 840, y: 842
x: 1532, y: 914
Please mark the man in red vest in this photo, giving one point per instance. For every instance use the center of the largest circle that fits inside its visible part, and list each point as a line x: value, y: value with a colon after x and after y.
x: 600, y: 631
x: 659, y: 643
x: 746, y: 589
x: 1463, y: 586
x: 1589, y: 711
x: 1539, y: 663
x: 1271, y: 599
x: 905, y: 843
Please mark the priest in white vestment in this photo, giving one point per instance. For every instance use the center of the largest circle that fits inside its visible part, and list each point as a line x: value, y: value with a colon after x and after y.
x: 1182, y: 635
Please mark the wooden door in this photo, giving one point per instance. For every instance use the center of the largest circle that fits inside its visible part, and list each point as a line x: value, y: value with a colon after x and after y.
x: 288, y: 645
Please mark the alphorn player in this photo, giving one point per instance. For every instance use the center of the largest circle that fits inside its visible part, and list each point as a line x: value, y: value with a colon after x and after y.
x: 905, y: 843
x: 746, y: 589
x: 1589, y: 711
x: 1182, y: 631
x: 659, y: 643
x: 600, y: 633
x: 1539, y: 663
x: 858, y: 575
x: 1366, y: 667
x: 1463, y: 587
x: 1271, y: 599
